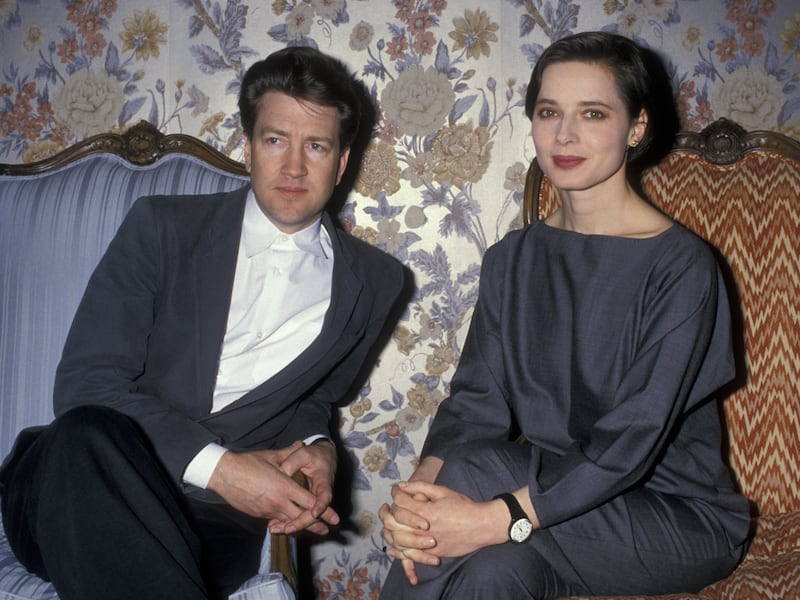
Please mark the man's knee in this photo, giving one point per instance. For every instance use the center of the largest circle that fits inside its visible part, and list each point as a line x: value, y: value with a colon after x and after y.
x: 88, y: 425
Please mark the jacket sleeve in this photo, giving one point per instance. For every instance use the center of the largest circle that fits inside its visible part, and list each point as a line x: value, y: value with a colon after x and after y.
x: 106, y: 349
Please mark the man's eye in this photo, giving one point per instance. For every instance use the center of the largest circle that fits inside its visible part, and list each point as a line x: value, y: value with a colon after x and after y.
x: 595, y: 114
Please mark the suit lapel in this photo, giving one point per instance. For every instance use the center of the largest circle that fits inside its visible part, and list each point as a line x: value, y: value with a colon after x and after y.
x: 215, y: 268
x: 338, y: 329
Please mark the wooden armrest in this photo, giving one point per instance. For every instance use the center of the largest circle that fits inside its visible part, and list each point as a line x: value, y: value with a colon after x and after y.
x: 282, y: 558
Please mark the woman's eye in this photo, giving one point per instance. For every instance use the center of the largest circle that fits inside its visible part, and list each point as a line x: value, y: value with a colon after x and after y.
x: 595, y: 114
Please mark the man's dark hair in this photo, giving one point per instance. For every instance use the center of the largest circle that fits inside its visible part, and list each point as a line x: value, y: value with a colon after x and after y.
x: 305, y: 74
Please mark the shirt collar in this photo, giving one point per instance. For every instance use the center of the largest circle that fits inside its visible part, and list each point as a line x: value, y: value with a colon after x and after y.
x: 259, y: 233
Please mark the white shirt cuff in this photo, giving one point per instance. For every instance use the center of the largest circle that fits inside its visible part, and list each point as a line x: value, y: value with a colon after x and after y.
x: 199, y: 471
x: 313, y: 438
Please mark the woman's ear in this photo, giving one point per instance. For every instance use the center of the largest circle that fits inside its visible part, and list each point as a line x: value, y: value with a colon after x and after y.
x: 639, y: 127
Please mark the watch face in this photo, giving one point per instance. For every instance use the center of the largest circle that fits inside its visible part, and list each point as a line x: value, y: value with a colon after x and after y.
x: 520, y: 530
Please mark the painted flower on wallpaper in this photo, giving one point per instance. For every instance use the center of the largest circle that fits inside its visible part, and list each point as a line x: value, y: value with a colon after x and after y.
x: 33, y: 38
x: 8, y: 9
x: 144, y: 33
x: 635, y: 17
x: 404, y: 339
x: 418, y: 170
x: 379, y: 171
x: 298, y: 21
x: 419, y: 100
x: 328, y: 9
x: 361, y: 36
x: 89, y: 102
x: 461, y: 154
x: 790, y: 36
x: 751, y: 97
x: 300, y: 15
x: 473, y: 32
x: 425, y: 397
x: 440, y: 360
x: 692, y: 37
x: 746, y: 78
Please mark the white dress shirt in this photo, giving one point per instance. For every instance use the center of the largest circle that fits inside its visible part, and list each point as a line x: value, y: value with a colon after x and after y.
x: 281, y: 292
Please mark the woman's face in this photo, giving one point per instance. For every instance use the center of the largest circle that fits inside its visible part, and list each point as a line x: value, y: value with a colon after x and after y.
x: 581, y: 127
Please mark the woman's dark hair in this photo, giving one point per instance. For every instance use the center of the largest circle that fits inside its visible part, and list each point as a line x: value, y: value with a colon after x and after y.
x: 642, y: 82
x: 306, y: 74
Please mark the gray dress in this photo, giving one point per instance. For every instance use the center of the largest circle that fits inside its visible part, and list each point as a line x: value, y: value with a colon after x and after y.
x: 605, y: 353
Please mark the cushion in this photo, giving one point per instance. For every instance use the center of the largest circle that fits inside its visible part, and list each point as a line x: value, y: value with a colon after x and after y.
x: 53, y: 229
x: 750, y: 211
x: 15, y: 582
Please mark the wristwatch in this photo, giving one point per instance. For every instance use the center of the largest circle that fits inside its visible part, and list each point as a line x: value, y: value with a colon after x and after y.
x: 521, y: 527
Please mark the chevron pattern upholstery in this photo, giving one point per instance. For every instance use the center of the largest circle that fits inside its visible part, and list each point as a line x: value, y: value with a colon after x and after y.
x: 741, y: 192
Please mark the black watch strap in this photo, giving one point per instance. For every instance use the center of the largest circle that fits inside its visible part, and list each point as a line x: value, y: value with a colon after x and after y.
x: 520, y: 528
x: 514, y: 507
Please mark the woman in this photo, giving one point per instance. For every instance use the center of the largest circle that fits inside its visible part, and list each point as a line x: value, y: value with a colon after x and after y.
x: 601, y: 335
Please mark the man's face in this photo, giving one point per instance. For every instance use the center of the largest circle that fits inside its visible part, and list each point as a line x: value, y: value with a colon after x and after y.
x: 294, y: 159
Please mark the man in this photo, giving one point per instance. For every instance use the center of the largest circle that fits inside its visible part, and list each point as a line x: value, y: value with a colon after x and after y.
x: 203, y: 362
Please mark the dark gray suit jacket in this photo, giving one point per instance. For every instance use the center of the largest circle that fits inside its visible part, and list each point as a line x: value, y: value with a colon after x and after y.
x: 147, y: 336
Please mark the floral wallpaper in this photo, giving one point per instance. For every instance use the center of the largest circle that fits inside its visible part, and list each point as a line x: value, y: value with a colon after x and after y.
x: 443, y: 177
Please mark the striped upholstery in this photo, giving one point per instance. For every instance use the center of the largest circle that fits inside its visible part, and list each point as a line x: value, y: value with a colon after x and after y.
x: 741, y: 192
x: 53, y: 229
x: 54, y: 226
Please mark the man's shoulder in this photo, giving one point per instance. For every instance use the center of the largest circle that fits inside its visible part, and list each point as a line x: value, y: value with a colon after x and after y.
x: 173, y: 203
x: 376, y: 269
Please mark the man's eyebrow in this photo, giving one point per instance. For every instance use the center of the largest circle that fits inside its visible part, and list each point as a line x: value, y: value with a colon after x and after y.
x: 268, y: 129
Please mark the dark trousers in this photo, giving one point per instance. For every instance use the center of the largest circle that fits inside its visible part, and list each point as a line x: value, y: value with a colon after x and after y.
x: 639, y: 543
x: 87, y: 505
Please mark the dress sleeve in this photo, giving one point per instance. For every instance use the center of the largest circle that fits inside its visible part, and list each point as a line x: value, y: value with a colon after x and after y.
x: 683, y: 355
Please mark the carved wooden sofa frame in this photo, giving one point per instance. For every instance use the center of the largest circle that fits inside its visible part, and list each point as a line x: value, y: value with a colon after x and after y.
x: 741, y: 192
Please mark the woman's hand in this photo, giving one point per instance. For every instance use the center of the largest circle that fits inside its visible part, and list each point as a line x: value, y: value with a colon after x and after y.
x: 404, y: 531
x: 456, y: 524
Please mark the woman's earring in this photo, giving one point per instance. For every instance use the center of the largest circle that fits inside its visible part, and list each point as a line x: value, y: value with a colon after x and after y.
x: 634, y: 143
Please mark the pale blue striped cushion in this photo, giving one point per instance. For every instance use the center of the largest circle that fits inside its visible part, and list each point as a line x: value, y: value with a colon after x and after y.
x: 53, y: 229
x: 15, y: 582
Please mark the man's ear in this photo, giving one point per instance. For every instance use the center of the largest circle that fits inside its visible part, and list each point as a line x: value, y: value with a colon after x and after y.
x: 247, y: 155
x: 342, y: 164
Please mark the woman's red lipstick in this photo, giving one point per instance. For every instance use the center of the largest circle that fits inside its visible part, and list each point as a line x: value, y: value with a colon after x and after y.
x: 567, y: 162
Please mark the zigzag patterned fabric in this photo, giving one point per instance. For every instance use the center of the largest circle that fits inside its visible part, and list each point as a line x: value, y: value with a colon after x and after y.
x: 753, y: 217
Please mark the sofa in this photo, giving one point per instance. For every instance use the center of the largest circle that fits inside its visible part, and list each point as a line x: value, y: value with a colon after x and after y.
x: 57, y: 216
x: 741, y: 192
